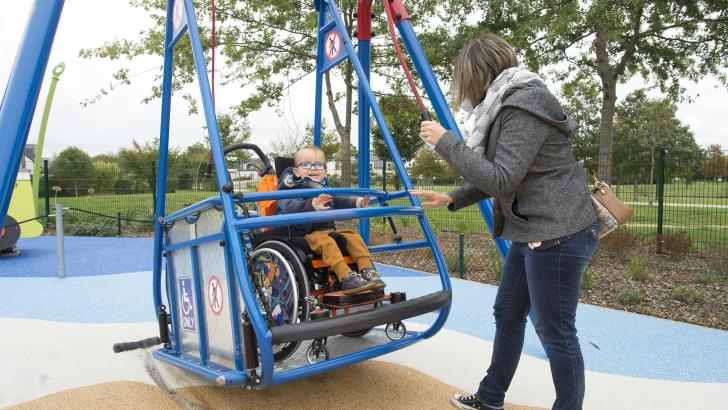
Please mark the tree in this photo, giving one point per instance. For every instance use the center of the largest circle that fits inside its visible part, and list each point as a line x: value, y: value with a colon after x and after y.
x: 715, y: 163
x: 233, y: 130
x: 72, y: 171
x: 271, y: 46
x: 429, y: 165
x: 581, y: 102
x: 402, y: 115
x: 642, y: 127
x: 107, y: 173
x: 663, y: 41
x: 135, y: 166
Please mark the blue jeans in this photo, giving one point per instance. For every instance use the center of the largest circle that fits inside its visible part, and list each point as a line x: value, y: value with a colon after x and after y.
x: 548, y: 280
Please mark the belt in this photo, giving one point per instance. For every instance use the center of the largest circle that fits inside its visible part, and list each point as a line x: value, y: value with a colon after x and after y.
x: 550, y: 243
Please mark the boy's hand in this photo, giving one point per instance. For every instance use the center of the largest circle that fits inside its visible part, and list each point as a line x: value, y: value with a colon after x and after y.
x: 436, y: 199
x: 363, y: 202
x: 319, y: 203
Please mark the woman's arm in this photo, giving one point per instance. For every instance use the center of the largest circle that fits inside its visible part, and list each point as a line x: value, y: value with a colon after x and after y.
x: 520, y: 139
x: 466, y: 196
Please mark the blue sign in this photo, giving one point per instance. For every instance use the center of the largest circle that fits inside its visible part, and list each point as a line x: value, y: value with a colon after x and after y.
x: 187, y: 304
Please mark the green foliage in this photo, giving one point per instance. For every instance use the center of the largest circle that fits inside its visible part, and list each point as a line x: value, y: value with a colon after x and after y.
x: 495, y: 261
x: 91, y: 229
x: 629, y: 296
x: 588, y: 279
x: 638, y: 268
x: 72, y: 171
x: 429, y: 165
x: 581, y: 102
x: 642, y: 127
x: 687, y: 294
x: 705, y: 278
x: 402, y: 115
x: 452, y: 261
x: 107, y: 173
x: 664, y: 42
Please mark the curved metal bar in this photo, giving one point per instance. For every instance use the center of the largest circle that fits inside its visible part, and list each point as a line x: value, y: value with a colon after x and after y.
x: 325, y: 216
x: 311, y: 193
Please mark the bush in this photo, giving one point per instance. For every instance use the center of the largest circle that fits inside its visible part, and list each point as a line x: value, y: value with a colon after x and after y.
x: 73, y: 171
x: 106, y: 176
x: 677, y: 245
x: 588, y: 279
x: 687, y: 294
x: 452, y: 261
x: 91, y: 229
x: 707, y: 278
x: 717, y: 260
x: 638, y: 268
x: 629, y: 296
x: 620, y: 242
x: 495, y: 261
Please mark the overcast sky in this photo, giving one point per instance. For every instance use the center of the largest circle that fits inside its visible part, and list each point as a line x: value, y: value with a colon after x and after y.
x: 120, y: 117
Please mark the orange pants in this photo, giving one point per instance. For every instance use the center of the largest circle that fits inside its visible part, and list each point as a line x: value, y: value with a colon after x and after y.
x: 321, y: 242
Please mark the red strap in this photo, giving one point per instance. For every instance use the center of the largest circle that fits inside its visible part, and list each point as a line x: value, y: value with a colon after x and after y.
x: 402, y: 62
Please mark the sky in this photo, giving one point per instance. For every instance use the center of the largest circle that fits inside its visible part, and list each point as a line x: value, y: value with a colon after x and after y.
x: 117, y: 119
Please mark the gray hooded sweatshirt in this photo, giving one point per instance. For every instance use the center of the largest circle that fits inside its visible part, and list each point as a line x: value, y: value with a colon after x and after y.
x: 540, y: 192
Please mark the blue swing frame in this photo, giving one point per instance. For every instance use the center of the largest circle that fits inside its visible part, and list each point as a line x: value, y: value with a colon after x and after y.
x: 16, y: 113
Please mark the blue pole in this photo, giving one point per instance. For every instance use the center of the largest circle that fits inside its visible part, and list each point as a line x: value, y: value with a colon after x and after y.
x: 21, y: 95
x: 319, y: 78
x: 162, y: 163
x: 364, y: 128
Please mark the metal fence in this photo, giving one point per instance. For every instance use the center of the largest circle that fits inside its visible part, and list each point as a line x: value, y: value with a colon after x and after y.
x: 681, y: 197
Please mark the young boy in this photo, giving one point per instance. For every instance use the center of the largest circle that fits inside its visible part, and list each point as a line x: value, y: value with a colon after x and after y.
x: 309, y: 171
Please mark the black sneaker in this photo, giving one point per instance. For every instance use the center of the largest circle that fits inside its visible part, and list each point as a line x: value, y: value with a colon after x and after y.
x: 471, y: 401
x: 373, y: 276
x: 354, y: 283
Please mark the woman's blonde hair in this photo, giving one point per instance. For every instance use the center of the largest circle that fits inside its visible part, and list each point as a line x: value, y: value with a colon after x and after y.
x: 477, y: 65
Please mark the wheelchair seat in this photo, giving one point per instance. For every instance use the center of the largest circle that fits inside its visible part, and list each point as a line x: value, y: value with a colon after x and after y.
x: 300, y: 245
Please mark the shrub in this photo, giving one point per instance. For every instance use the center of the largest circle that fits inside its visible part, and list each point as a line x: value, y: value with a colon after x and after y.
x: 91, y: 229
x: 638, y: 268
x: 677, y: 245
x: 620, y: 242
x: 687, y: 294
x: 707, y: 278
x: 495, y: 261
x: 452, y: 261
x: 717, y: 260
x: 629, y: 296
x: 588, y: 279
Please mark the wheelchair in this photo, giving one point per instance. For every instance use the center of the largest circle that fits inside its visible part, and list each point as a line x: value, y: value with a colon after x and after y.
x: 291, y: 282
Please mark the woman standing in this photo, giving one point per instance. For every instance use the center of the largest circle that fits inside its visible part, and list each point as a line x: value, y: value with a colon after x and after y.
x: 519, y: 153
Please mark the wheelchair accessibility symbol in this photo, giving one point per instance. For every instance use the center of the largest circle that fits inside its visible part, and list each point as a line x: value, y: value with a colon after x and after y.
x: 187, y: 303
x: 214, y: 295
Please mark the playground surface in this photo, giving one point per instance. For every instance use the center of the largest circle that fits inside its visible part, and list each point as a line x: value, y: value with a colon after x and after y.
x: 58, y: 333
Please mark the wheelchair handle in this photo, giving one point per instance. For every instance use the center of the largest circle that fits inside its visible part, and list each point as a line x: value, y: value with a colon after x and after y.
x: 267, y: 168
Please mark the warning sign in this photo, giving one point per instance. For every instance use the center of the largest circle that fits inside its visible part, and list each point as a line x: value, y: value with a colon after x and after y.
x: 332, y: 45
x: 214, y: 295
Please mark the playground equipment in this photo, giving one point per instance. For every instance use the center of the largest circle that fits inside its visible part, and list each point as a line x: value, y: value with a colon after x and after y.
x: 22, y: 209
x: 237, y: 296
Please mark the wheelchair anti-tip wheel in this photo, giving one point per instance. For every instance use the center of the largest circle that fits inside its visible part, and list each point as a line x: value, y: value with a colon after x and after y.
x: 395, y: 330
x: 280, y: 288
x: 317, y: 352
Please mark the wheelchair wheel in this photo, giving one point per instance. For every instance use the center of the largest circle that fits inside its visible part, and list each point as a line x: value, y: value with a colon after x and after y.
x: 395, y: 330
x: 281, y: 287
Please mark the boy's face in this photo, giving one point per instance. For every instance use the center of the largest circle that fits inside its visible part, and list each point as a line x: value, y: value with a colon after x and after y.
x: 310, y: 156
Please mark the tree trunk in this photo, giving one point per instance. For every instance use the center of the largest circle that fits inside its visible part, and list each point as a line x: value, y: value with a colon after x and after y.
x: 345, y: 149
x: 608, y: 77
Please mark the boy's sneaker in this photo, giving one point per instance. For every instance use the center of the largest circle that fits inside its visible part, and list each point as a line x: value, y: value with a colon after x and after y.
x: 373, y: 276
x: 354, y: 283
x: 471, y: 401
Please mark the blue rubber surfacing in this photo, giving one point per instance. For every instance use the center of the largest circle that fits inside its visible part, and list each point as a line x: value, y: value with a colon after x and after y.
x: 99, y: 289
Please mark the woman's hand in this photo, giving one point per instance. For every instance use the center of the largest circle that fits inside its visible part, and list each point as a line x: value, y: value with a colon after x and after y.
x: 363, y: 202
x: 319, y: 203
x: 436, y: 199
x: 431, y: 132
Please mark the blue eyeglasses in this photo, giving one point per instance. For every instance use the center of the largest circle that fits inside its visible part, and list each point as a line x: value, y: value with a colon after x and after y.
x: 309, y: 165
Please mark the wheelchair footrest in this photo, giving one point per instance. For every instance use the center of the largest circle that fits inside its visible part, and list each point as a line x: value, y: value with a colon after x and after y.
x: 360, y: 320
x: 340, y: 300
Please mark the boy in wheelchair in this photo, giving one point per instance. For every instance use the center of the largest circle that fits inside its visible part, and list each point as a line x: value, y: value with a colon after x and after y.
x: 309, y: 172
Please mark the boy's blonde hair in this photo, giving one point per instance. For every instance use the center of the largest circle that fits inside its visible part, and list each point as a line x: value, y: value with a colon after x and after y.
x: 311, y: 147
x: 477, y: 65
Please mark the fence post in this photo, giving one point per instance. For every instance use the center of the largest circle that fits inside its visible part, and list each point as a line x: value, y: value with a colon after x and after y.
x: 384, y: 175
x: 118, y: 222
x: 60, y: 262
x: 461, y: 256
x: 47, y: 190
x: 660, y: 197
x: 154, y: 183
